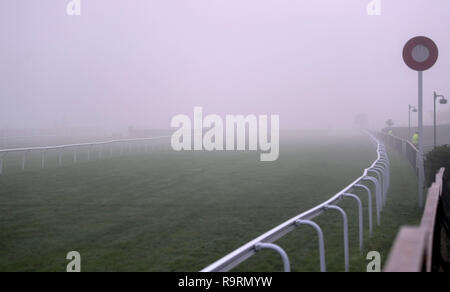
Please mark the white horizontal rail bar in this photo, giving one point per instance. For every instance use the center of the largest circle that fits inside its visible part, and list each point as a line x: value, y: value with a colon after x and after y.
x: 74, y: 147
x: 80, y: 145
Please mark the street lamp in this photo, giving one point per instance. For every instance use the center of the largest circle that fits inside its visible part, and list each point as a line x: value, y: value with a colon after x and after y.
x: 414, y: 110
x: 441, y: 101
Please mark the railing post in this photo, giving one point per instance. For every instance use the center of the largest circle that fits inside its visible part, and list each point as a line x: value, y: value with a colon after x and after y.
x: 360, y: 215
x: 279, y: 250
x: 321, y: 241
x: 344, y: 218
x: 74, y: 154
x: 24, y: 158
x: 380, y: 177
x: 380, y: 190
x: 377, y: 195
x: 386, y: 166
x: 1, y: 162
x: 384, y: 185
x: 60, y: 157
x: 43, y: 159
x: 369, y: 206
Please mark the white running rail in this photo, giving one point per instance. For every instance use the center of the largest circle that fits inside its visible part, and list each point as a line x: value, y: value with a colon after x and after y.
x: 377, y: 173
x: 74, y: 147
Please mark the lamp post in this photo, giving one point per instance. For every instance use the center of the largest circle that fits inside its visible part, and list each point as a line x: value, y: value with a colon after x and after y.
x: 441, y: 101
x: 414, y: 110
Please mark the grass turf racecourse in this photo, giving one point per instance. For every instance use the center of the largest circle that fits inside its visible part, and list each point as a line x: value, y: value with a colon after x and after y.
x: 181, y: 211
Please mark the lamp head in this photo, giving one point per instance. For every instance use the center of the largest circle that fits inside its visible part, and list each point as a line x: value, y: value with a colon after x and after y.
x: 442, y: 101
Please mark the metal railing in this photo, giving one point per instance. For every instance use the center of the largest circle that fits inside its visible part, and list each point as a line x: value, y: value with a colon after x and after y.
x: 401, y: 145
x: 411, y: 153
x: 418, y: 249
x: 102, y: 147
x: 376, y: 174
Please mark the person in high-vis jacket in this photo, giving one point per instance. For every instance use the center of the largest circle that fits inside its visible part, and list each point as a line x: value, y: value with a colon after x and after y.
x: 415, y: 139
x: 390, y: 133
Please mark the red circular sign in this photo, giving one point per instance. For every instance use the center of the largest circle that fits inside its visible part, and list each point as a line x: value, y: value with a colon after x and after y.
x: 420, y: 53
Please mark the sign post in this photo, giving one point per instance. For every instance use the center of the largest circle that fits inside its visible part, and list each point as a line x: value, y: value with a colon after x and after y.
x: 420, y: 54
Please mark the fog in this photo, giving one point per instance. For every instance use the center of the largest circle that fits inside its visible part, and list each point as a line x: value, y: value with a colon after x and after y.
x: 317, y: 64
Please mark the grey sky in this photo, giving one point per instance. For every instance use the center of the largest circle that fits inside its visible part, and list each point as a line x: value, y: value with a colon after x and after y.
x: 316, y: 63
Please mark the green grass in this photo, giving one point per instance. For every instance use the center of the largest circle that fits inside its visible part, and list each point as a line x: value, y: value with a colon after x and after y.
x: 167, y: 211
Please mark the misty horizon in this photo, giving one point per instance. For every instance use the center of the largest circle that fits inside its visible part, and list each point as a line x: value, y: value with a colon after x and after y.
x: 139, y: 63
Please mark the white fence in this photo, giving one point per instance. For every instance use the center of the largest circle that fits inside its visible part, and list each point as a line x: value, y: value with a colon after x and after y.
x: 377, y: 174
x: 407, y: 149
x: 401, y: 145
x: 103, y: 148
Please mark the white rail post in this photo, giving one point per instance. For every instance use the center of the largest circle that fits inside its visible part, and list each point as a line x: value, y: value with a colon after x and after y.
x: 345, y: 220
x: 385, y: 165
x: 279, y: 250
x: 24, y: 158
x: 384, y: 186
x: 361, y: 223
x: 377, y: 195
x: 380, y: 190
x: 43, y: 158
x: 1, y: 162
x: 323, y: 267
x: 60, y: 157
x: 74, y: 154
x: 369, y: 193
x: 100, y: 152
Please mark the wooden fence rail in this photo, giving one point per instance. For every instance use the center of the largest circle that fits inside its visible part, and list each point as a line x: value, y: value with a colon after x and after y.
x: 415, y: 247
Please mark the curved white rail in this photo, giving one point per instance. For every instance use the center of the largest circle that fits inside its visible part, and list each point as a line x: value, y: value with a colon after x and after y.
x: 249, y: 249
x: 79, y: 145
x: 5, y: 152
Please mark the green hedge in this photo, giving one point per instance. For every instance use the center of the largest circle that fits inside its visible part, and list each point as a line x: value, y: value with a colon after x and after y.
x: 434, y: 160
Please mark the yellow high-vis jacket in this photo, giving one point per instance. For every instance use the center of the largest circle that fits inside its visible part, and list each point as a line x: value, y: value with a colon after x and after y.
x: 415, y: 139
